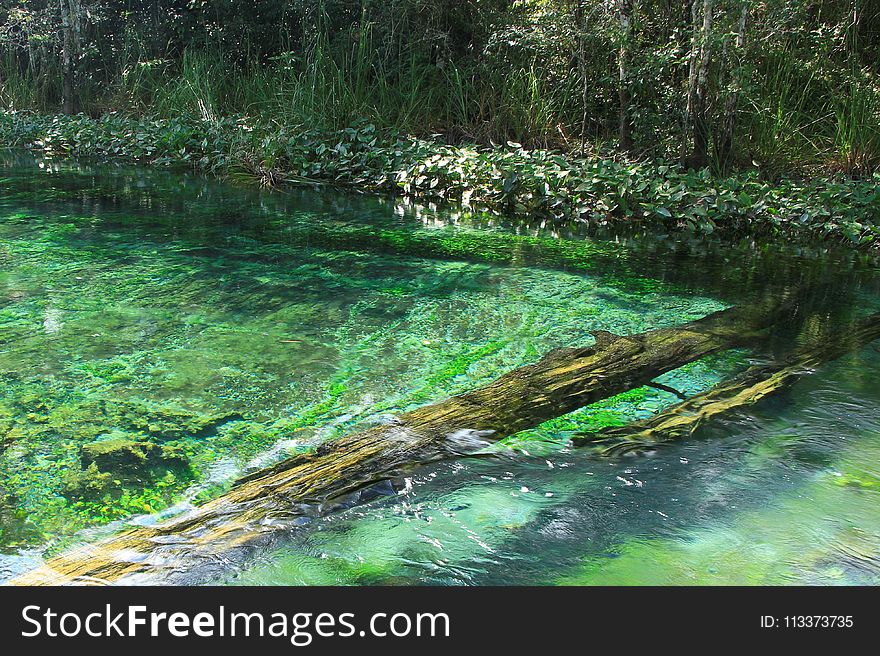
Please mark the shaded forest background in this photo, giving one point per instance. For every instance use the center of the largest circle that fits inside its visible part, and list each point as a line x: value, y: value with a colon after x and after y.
x: 784, y: 85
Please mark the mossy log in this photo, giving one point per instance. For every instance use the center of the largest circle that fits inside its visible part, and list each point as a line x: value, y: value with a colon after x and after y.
x: 750, y: 387
x: 273, y: 500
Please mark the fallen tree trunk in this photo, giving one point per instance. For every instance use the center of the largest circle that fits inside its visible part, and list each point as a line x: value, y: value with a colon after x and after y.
x: 754, y: 384
x: 272, y: 500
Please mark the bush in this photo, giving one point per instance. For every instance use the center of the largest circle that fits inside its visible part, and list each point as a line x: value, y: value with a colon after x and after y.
x: 508, y: 179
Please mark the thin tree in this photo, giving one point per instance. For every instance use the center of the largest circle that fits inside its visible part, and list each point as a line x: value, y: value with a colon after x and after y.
x: 725, y: 142
x: 580, y: 20
x: 625, y: 13
x: 696, y: 130
x: 71, y: 38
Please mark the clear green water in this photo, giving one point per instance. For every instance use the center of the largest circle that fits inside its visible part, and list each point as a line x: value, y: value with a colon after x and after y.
x: 220, y: 329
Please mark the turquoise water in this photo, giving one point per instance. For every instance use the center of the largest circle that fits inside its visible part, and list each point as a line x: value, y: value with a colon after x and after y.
x: 162, y: 335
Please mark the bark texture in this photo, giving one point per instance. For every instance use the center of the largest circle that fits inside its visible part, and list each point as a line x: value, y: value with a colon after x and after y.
x: 753, y: 385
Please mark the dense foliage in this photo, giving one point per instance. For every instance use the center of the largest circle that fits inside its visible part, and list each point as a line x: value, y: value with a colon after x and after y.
x: 508, y: 179
x: 774, y: 85
x: 699, y: 114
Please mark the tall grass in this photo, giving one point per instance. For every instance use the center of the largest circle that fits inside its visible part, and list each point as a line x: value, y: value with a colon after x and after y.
x: 788, y: 118
x: 323, y: 91
x: 795, y: 112
x: 791, y: 115
x: 857, y: 137
x: 333, y: 90
x: 199, y: 89
x: 28, y: 89
x: 800, y: 116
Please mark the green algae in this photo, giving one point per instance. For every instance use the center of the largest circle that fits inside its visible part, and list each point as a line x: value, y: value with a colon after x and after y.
x: 227, y: 335
x: 241, y: 351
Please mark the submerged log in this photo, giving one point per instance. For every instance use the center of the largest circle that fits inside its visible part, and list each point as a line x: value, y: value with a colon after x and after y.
x: 751, y: 386
x: 273, y: 500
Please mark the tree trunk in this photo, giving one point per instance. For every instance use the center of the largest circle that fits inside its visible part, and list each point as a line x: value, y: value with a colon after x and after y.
x: 696, y: 116
x: 581, y: 23
x: 693, y: 56
x: 274, y: 499
x: 753, y: 385
x: 625, y: 11
x: 71, y: 38
x: 725, y: 143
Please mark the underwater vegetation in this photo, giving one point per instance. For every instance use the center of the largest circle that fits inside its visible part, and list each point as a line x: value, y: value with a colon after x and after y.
x: 140, y: 372
x: 160, y: 340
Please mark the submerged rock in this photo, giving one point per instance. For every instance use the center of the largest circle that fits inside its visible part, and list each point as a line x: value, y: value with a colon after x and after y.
x: 124, y: 456
x: 115, y: 464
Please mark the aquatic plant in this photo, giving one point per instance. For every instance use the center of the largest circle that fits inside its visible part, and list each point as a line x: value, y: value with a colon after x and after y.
x: 225, y: 353
x: 507, y: 179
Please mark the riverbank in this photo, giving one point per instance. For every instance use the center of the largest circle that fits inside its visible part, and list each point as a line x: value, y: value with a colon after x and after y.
x: 506, y: 179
